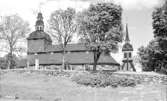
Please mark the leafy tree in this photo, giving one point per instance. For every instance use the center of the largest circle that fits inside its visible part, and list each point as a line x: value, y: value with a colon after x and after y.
x: 3, y: 64
x: 100, y: 28
x: 4, y: 61
x: 62, y: 26
x: 146, y: 55
x: 154, y: 56
x: 160, y: 34
x: 12, y: 29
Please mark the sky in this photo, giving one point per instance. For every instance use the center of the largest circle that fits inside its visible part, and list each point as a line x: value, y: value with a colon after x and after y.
x: 136, y: 13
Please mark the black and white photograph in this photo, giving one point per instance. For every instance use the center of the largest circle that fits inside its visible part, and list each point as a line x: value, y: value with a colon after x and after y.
x: 83, y: 50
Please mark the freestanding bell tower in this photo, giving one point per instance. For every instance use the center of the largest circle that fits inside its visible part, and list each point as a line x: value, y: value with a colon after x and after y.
x: 127, y: 51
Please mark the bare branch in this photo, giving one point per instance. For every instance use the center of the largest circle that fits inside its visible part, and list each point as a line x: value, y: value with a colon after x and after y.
x: 12, y: 29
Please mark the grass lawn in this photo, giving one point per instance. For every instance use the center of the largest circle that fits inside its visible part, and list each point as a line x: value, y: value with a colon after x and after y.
x: 39, y: 87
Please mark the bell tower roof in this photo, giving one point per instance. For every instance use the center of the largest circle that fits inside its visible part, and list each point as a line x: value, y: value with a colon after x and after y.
x: 127, y: 34
x: 127, y: 46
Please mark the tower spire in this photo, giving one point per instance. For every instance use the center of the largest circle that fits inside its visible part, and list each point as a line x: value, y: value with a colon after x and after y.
x: 127, y: 34
x: 39, y: 23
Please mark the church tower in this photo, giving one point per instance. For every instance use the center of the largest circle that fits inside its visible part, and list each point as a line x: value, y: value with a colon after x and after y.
x: 38, y: 40
x: 127, y: 51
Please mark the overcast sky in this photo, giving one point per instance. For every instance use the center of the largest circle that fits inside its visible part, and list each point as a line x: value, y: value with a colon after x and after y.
x: 137, y: 13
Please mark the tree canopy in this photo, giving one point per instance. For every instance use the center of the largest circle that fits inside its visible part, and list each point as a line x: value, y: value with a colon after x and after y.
x: 100, y: 28
x: 63, y: 27
x: 156, y: 52
x: 149, y: 56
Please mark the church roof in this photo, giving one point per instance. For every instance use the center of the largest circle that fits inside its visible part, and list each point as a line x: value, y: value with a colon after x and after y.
x: 69, y: 47
x: 77, y: 55
x: 39, y: 35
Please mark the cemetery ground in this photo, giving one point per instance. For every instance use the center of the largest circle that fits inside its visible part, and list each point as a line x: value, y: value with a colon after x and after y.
x: 25, y: 86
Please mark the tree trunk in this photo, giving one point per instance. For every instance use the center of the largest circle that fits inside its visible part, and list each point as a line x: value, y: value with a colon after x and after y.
x: 96, y: 58
x: 9, y: 57
x: 94, y: 65
x: 9, y: 63
x: 63, y: 61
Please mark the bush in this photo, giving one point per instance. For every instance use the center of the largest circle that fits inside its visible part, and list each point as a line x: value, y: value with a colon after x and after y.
x: 103, y: 80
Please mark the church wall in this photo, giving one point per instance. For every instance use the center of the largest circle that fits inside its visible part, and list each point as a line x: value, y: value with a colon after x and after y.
x: 47, y: 43
x: 36, y: 45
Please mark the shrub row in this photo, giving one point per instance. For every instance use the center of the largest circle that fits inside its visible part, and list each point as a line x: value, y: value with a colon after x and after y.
x: 103, y: 80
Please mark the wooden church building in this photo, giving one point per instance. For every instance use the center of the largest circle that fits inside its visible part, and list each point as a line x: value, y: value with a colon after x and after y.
x: 42, y: 54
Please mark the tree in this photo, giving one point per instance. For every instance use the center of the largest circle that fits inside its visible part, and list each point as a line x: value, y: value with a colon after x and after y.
x: 4, y: 61
x: 3, y: 64
x: 146, y: 55
x: 150, y: 57
x: 62, y: 26
x: 100, y: 28
x: 154, y: 56
x: 12, y: 29
x: 160, y: 34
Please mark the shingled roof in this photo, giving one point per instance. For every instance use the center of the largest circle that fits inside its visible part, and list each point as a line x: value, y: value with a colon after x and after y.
x: 69, y: 47
x: 127, y: 47
x: 39, y: 35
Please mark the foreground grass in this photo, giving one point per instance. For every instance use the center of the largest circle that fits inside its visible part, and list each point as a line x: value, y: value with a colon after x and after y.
x: 39, y: 87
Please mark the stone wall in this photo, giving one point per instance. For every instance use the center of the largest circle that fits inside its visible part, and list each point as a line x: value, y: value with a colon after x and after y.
x: 144, y: 77
x: 46, y: 72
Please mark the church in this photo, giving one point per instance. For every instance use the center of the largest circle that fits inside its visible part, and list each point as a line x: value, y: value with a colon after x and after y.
x: 42, y: 54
